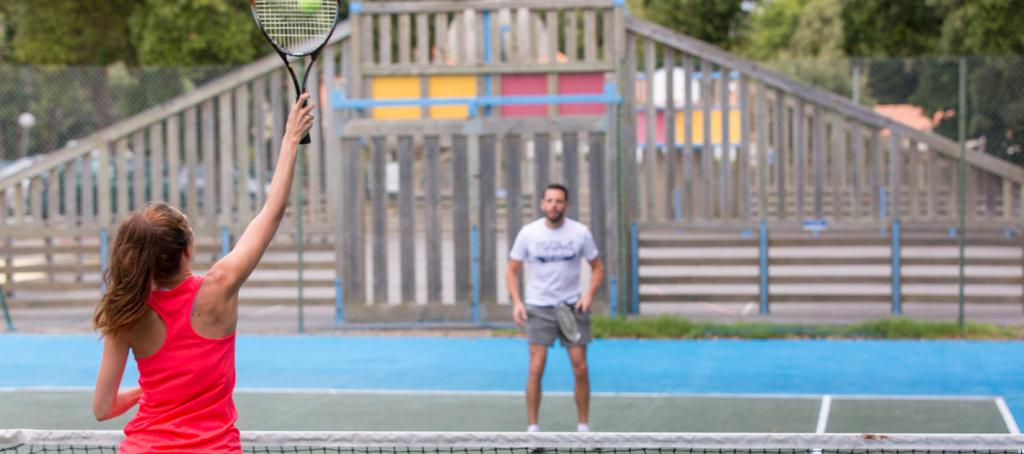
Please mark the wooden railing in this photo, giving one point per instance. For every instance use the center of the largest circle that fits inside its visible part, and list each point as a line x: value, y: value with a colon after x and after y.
x: 210, y: 152
x: 802, y: 152
x: 886, y: 193
x: 770, y: 148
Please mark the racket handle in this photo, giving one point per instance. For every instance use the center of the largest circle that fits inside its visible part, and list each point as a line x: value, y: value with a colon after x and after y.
x: 305, y: 140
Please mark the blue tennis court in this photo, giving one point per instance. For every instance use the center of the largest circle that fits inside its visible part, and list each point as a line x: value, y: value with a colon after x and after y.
x: 451, y: 383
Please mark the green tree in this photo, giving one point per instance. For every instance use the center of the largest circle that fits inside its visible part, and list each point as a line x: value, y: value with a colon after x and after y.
x: 981, y: 27
x: 195, y: 32
x: 772, y: 26
x: 884, y: 28
x: 989, y: 30
x: 63, y: 32
x: 804, y: 39
x: 720, y: 22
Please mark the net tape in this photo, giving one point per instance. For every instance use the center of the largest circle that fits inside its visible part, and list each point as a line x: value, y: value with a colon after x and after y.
x: 30, y: 441
x: 294, y: 29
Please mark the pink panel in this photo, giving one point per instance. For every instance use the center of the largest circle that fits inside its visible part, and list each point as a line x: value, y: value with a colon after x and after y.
x: 521, y: 85
x: 659, y: 127
x: 581, y: 84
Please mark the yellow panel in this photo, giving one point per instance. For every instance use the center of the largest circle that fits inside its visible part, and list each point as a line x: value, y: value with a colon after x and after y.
x: 734, y: 126
x: 697, y: 131
x: 716, y: 127
x: 396, y: 88
x: 451, y: 87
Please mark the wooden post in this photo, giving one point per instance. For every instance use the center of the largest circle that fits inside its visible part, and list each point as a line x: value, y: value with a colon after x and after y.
x: 460, y: 213
x: 781, y: 157
x: 380, y: 222
x: 744, y: 154
x: 407, y: 218
x: 433, y: 220
x: 670, y: 188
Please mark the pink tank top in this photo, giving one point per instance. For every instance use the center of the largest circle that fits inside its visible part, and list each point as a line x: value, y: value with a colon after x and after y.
x: 186, y: 403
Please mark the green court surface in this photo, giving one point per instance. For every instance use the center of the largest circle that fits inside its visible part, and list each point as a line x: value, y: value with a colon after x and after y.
x: 400, y: 411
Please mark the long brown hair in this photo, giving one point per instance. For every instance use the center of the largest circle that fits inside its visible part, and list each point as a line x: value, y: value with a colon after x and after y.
x: 148, y: 247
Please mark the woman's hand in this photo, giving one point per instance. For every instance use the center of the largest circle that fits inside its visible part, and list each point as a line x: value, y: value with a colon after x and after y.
x: 300, y: 120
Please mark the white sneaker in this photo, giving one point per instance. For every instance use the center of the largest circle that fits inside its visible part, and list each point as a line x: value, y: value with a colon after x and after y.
x: 533, y: 428
x: 583, y: 427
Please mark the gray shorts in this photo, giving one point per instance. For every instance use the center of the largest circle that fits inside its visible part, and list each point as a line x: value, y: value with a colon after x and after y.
x: 542, y: 326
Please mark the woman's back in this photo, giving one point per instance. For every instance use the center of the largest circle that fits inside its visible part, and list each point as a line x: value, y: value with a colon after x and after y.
x: 186, y: 403
x: 183, y: 338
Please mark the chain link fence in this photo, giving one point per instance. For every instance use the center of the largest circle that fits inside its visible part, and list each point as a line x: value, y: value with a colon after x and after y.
x: 43, y: 109
x: 923, y: 92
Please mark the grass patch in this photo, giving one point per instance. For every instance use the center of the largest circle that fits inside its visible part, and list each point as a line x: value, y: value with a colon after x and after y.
x: 670, y: 327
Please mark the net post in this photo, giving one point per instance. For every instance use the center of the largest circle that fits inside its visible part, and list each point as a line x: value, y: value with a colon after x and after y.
x: 634, y: 268
x: 300, y: 167
x: 962, y: 190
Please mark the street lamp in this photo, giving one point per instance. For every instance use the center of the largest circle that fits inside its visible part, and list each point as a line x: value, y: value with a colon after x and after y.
x: 26, y: 120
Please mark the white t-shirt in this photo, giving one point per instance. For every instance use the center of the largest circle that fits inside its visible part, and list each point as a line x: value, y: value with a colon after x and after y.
x: 552, y: 258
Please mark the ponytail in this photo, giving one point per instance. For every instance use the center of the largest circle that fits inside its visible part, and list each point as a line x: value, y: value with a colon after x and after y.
x: 148, y: 247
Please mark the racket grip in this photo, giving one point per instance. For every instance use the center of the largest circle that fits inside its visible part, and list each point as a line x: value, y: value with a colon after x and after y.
x: 305, y: 140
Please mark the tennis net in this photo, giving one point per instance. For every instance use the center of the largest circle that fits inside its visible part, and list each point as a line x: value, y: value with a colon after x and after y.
x: 57, y: 441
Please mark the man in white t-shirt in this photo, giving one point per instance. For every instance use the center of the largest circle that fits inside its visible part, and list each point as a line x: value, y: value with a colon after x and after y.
x: 553, y: 246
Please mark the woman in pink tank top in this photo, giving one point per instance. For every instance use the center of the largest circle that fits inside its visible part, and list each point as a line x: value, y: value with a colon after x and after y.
x: 181, y: 327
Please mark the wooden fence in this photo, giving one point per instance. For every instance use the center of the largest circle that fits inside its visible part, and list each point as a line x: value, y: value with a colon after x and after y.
x: 770, y: 148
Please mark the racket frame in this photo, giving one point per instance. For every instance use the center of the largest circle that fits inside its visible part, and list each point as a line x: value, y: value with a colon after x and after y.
x: 284, y: 54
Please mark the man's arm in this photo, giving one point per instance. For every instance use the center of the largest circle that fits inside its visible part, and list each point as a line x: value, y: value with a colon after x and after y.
x: 512, y: 279
x: 596, y: 276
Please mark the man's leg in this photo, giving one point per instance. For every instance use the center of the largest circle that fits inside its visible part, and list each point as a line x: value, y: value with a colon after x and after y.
x: 538, y: 358
x: 578, y: 357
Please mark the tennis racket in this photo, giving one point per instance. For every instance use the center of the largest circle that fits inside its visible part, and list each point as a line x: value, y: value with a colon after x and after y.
x: 297, y: 28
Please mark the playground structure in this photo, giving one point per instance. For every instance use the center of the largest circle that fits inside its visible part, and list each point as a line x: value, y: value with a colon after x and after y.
x: 704, y: 177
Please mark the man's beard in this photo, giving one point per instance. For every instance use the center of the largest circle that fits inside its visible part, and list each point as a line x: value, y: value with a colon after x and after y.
x: 558, y: 218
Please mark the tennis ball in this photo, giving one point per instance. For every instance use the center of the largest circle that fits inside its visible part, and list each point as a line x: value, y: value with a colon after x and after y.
x: 309, y: 6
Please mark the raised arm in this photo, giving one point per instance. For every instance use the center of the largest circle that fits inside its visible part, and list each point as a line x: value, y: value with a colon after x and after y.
x: 229, y: 273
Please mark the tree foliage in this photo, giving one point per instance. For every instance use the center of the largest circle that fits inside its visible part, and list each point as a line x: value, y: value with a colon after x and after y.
x: 719, y: 22
x: 62, y: 32
x: 195, y: 32
x: 908, y: 51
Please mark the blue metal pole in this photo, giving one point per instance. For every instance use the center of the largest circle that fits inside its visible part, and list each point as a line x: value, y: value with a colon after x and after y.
x: 339, y: 302
x: 896, y: 308
x: 487, y: 57
x: 104, y: 255
x: 7, y: 313
x: 225, y: 241
x: 883, y: 203
x: 762, y: 243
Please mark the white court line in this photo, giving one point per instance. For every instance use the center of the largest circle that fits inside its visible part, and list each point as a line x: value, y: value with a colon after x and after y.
x: 406, y: 392
x: 717, y: 309
x: 1011, y: 423
x: 264, y: 311
x: 826, y: 408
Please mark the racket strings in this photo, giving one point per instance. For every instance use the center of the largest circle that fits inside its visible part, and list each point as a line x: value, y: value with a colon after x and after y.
x: 295, y: 29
